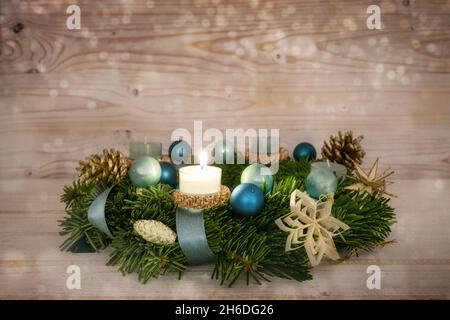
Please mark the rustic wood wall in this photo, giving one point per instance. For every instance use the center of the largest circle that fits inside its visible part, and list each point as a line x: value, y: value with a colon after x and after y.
x: 140, y: 69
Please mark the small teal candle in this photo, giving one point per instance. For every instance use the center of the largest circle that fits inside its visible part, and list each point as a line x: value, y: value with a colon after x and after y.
x: 151, y: 149
x: 338, y: 169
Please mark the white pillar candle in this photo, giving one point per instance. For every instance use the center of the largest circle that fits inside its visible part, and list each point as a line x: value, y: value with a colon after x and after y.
x: 200, y: 179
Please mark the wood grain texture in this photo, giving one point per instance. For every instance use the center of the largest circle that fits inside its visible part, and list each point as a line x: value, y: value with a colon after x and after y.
x: 141, y: 69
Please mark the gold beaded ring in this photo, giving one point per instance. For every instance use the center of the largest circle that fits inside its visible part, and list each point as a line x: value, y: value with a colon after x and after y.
x: 195, y: 201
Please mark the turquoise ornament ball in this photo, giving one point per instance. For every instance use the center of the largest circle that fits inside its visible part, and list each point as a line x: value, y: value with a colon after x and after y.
x: 145, y: 171
x: 180, y: 152
x: 252, y: 174
x: 304, y: 150
x: 247, y: 200
x: 321, y: 181
x: 168, y: 173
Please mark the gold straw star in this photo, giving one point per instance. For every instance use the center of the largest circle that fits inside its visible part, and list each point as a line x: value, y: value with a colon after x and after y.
x: 370, y: 182
x: 311, y: 225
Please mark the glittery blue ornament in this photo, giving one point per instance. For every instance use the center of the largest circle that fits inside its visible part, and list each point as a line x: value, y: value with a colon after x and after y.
x: 168, y: 173
x: 304, y: 150
x: 224, y: 152
x: 247, y: 199
x: 179, y: 152
x: 321, y: 181
x: 252, y: 174
x: 145, y: 171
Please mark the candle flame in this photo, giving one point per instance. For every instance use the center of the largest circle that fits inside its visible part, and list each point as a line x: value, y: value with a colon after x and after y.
x: 203, y: 159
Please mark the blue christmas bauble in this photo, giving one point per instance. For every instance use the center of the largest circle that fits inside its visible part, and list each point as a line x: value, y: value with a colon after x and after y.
x: 304, y: 150
x: 252, y: 174
x: 224, y: 152
x: 247, y: 199
x: 145, y: 171
x: 168, y: 173
x: 179, y: 151
x: 320, y: 181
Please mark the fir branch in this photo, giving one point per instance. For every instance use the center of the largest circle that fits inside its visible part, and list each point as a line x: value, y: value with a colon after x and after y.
x: 294, y: 169
x: 288, y: 265
x: 231, y: 174
x: 78, y: 198
x: 76, y: 193
x: 370, y: 219
x: 131, y: 253
x: 128, y: 204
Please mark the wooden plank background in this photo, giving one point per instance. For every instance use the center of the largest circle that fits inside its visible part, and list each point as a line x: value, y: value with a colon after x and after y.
x: 140, y: 69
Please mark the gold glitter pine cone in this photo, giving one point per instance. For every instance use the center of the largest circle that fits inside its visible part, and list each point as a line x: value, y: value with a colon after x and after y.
x: 111, y: 166
x: 344, y: 149
x: 154, y: 231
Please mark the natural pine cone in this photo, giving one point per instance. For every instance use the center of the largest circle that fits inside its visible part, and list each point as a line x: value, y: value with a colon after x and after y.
x: 111, y: 166
x: 344, y: 149
x: 165, y: 158
x: 284, y: 154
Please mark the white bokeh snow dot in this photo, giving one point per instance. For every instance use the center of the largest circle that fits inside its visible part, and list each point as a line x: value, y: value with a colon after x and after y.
x: 205, y: 23
x: 372, y: 41
x: 63, y: 84
x: 103, y: 55
x: 400, y: 70
x: 357, y: 81
x: 376, y: 84
x: 58, y: 142
x: 43, y: 196
x: 384, y: 40
x: 439, y: 184
x: 239, y: 52
x: 93, y: 42
x: 229, y: 90
x: 91, y: 104
x: 53, y: 93
x: 431, y: 48
x: 41, y: 68
x: 405, y: 80
x: 379, y: 68
x: 126, y: 19
x: 391, y: 75
x: 115, y: 21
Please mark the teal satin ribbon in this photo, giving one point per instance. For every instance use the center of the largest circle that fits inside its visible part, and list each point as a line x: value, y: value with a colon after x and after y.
x: 192, y: 236
x: 96, y: 212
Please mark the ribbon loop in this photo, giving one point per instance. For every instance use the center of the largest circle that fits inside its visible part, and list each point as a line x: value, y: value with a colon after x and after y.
x: 96, y: 212
x: 192, y: 235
